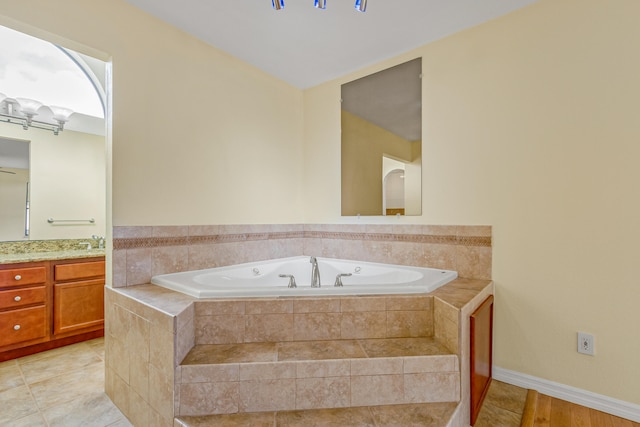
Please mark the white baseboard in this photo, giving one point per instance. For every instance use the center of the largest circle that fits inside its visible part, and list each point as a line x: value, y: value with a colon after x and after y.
x: 578, y: 396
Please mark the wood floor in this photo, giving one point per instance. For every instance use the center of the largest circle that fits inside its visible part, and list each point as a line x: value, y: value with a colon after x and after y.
x: 545, y: 411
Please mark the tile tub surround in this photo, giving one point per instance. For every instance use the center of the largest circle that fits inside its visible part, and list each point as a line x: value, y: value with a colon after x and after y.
x: 141, y: 252
x: 150, y: 330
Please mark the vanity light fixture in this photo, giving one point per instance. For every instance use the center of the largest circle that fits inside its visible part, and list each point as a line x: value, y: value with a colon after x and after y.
x: 21, y: 111
x: 360, y: 6
x: 60, y: 115
x: 28, y: 107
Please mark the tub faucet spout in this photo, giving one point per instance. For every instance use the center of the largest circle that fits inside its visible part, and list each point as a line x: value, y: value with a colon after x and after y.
x: 315, y: 273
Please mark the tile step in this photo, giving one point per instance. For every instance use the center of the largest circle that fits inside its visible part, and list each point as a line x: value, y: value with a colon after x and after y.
x: 422, y: 414
x: 314, y: 350
x: 284, y: 376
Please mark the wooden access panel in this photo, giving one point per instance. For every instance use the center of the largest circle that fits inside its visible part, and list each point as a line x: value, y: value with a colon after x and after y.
x: 481, y: 355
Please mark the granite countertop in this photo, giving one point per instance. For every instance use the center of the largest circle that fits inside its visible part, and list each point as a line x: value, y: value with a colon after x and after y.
x: 50, y: 255
x: 48, y: 250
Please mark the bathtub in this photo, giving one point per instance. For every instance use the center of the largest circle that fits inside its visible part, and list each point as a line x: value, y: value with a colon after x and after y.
x: 262, y: 278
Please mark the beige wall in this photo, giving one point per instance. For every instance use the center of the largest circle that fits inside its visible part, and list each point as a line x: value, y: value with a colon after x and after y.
x: 198, y: 137
x: 530, y: 125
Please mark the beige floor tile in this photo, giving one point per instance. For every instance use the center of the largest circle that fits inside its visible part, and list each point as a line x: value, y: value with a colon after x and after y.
x: 506, y: 396
x: 42, y: 366
x: 490, y: 416
x: 16, y: 403
x: 97, y: 345
x: 422, y: 415
x: 76, y: 383
x: 122, y: 422
x: 264, y: 419
x: 10, y: 375
x: 33, y: 420
x: 94, y: 409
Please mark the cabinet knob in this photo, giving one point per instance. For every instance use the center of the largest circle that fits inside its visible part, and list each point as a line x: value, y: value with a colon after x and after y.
x: 16, y: 327
x: 17, y: 298
x: 18, y: 277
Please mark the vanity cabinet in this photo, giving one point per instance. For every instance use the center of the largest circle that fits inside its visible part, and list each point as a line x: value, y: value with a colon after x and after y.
x: 49, y: 304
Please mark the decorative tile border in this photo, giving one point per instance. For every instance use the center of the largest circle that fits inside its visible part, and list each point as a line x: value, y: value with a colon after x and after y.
x: 154, y: 242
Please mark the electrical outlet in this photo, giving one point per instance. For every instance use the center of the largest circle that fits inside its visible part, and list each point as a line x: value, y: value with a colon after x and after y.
x: 585, y: 343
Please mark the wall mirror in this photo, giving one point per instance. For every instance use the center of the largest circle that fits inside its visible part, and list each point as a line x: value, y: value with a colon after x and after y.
x: 381, y: 154
x: 52, y: 143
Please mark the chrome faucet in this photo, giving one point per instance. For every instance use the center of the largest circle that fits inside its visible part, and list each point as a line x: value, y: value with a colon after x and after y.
x: 315, y: 273
x: 100, y: 241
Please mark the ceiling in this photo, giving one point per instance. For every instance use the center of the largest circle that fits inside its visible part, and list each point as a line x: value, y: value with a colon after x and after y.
x: 305, y: 46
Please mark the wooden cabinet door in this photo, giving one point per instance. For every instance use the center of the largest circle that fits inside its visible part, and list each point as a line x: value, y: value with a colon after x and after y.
x: 78, y: 306
x: 481, y: 354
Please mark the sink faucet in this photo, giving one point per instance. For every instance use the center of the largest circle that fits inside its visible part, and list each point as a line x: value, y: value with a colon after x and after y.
x: 315, y: 273
x: 100, y: 240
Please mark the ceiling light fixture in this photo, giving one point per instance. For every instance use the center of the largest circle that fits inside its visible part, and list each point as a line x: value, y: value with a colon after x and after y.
x: 21, y: 111
x: 360, y: 6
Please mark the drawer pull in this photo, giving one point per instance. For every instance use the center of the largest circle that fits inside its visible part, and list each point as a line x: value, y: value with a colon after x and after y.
x: 17, y: 298
x: 16, y: 327
x: 18, y: 277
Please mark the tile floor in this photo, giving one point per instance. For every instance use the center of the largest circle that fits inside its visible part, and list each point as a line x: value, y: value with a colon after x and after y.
x: 65, y: 387
x: 61, y: 387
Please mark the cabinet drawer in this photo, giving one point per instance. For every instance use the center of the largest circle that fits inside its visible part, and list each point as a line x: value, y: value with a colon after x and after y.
x: 23, y: 276
x: 80, y: 270
x: 15, y: 298
x: 22, y: 325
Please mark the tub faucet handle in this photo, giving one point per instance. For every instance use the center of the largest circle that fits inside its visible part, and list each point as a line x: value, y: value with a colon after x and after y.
x: 292, y: 280
x: 339, y: 279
